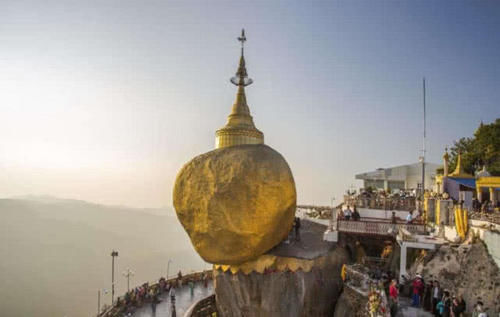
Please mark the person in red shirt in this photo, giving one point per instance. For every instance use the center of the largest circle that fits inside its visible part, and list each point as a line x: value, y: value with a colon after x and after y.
x: 393, y: 298
x: 418, y: 286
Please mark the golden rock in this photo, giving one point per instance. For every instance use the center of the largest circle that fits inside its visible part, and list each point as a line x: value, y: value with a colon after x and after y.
x: 235, y: 203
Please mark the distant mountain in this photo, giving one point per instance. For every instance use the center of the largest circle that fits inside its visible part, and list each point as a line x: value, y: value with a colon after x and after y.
x: 56, y: 252
x: 47, y: 199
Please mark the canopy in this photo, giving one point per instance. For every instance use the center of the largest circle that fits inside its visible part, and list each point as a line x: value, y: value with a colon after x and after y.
x: 453, y: 185
x: 467, y: 182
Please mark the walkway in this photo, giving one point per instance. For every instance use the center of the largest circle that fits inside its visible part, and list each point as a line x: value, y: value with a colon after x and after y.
x: 406, y: 310
x: 183, y: 300
x: 310, y: 246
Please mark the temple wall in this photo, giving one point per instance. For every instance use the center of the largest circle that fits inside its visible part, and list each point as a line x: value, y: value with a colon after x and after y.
x: 483, y: 230
x: 492, y: 241
x: 490, y: 238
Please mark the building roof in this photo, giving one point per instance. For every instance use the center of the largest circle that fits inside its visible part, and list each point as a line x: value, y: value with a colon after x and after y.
x: 467, y: 182
x: 396, y: 173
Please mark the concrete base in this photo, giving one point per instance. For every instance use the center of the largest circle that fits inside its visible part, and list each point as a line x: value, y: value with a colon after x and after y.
x: 420, y: 242
x: 331, y: 236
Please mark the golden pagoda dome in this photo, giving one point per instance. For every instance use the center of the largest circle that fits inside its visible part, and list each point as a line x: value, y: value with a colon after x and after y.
x: 239, y: 128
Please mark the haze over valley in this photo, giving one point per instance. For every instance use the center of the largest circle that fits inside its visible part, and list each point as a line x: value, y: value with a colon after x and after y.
x: 56, y: 253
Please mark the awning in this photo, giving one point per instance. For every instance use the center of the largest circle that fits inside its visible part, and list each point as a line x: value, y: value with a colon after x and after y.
x: 467, y: 182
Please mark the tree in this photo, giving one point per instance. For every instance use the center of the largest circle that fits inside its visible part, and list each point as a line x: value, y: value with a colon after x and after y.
x: 482, y: 149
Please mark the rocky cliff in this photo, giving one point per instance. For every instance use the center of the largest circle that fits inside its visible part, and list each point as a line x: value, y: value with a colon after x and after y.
x: 350, y: 304
x: 467, y: 270
x: 282, y: 293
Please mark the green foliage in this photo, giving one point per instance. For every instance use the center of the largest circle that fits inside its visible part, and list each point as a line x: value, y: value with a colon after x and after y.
x: 482, y: 149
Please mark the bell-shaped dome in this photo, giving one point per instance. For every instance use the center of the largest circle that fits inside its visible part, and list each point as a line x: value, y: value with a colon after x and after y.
x: 483, y: 173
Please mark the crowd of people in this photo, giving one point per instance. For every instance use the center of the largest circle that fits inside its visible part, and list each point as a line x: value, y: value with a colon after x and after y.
x: 431, y: 297
x: 147, y: 293
x: 486, y: 207
x: 381, y: 199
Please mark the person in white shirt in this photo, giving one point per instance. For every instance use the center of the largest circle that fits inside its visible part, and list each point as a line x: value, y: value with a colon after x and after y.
x: 409, y: 217
x: 347, y: 213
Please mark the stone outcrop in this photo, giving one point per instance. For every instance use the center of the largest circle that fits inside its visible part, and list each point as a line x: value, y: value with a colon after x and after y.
x: 467, y: 270
x: 351, y: 304
x: 282, y: 293
x: 235, y: 203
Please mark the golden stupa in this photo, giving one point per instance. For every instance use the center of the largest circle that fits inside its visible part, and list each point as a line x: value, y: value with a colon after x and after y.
x: 239, y: 128
x: 459, y: 171
x: 237, y: 201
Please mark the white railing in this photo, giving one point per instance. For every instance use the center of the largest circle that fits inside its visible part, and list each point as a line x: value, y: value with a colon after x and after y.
x: 377, y: 227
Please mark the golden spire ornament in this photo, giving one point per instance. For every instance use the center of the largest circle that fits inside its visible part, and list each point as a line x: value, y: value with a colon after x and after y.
x: 239, y: 128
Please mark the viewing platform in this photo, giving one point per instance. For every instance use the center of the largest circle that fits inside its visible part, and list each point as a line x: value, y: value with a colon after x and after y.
x: 141, y: 305
x: 183, y: 301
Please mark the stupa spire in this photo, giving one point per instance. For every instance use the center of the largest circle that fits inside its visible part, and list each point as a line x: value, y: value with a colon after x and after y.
x: 241, y: 78
x: 239, y: 128
x: 446, y: 159
x: 459, y: 169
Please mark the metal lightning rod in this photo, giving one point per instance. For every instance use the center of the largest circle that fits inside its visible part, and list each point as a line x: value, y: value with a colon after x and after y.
x: 423, y: 148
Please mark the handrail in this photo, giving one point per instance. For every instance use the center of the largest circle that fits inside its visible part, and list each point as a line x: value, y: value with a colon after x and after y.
x: 376, y: 228
x: 204, y: 307
x: 114, y: 310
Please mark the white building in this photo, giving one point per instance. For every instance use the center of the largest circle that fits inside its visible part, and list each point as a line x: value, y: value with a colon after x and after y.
x: 400, y: 177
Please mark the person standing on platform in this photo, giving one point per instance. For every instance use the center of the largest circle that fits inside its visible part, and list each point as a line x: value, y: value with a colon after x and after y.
x: 172, y: 295
x: 347, y: 213
x: 417, y: 289
x: 297, y: 228
x: 393, y: 217
x: 409, y: 218
x: 393, y: 298
x: 437, y: 294
x: 191, y: 287
x: 179, y: 278
x: 479, y: 310
x: 355, y: 214
x: 446, y: 304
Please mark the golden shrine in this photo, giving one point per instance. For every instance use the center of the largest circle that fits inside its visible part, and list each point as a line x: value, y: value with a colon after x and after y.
x: 237, y: 201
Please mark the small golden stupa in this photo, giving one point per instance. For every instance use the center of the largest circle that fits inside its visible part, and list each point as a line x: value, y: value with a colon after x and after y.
x: 239, y: 128
x: 459, y: 171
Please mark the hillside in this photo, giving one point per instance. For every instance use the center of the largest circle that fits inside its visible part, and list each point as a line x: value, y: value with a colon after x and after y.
x: 56, y: 253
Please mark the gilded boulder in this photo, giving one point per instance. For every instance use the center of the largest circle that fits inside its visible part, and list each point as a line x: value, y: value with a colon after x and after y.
x: 235, y: 203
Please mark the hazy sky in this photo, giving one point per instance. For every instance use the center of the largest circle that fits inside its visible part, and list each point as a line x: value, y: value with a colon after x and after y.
x: 106, y: 100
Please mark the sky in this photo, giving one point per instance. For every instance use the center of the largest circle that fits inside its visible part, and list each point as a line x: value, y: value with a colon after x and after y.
x: 106, y: 100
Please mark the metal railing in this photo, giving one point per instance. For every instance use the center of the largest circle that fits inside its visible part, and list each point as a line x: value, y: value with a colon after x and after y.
x: 118, y: 307
x: 204, y: 308
x: 377, y: 227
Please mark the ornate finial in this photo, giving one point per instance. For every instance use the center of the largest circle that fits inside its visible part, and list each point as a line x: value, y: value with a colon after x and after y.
x: 242, y: 39
x: 241, y: 78
x: 239, y: 128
